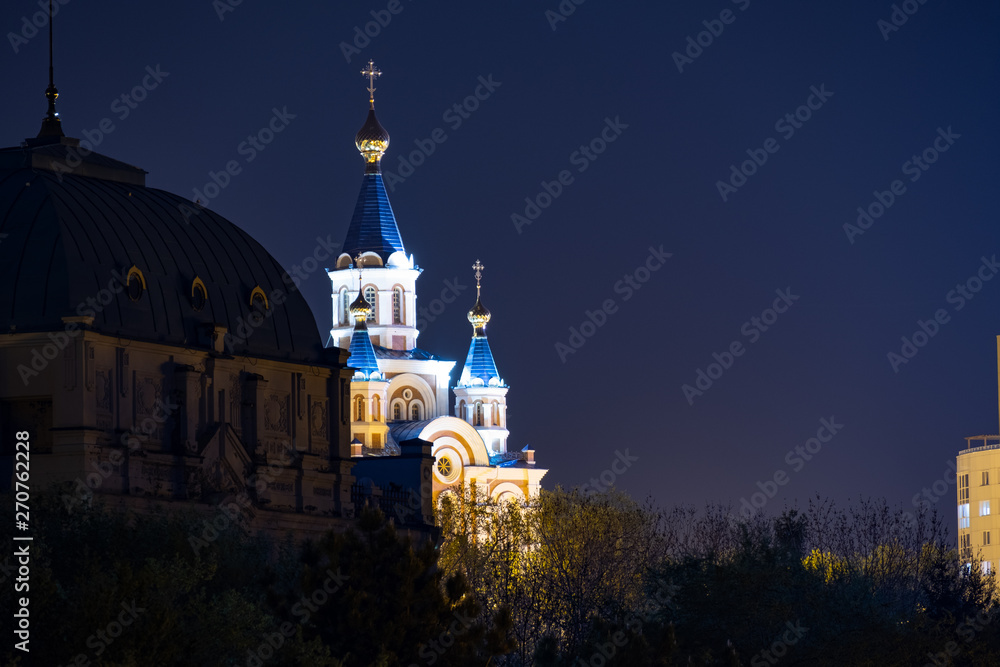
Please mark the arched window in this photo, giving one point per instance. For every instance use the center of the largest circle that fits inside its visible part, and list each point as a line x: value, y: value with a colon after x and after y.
x: 376, y: 409
x: 495, y: 413
x: 397, y: 305
x: 370, y: 293
x: 345, y: 307
x: 199, y: 295
x: 461, y: 410
x: 415, y: 412
x: 359, y: 409
x: 479, y: 414
x: 135, y: 283
x: 258, y: 300
x: 397, y: 411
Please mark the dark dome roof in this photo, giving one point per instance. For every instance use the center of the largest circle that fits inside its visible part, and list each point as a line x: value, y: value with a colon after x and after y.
x: 69, y: 235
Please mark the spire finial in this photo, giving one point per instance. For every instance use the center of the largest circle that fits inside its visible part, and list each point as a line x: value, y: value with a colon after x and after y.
x: 372, y: 73
x: 51, y: 124
x: 372, y: 139
x: 478, y: 266
x: 479, y: 316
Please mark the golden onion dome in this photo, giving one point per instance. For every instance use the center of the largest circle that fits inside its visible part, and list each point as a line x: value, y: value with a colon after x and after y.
x: 479, y: 316
x: 372, y: 139
x: 360, y: 308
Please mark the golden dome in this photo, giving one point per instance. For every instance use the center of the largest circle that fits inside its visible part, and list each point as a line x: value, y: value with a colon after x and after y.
x: 372, y: 139
x: 479, y: 316
x: 360, y: 309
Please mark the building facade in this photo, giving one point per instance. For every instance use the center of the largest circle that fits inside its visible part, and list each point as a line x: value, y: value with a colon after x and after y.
x: 978, y: 480
x: 155, y: 354
x: 399, y: 391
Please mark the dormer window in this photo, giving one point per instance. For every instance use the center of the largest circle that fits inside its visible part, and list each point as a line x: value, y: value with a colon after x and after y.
x: 135, y: 283
x: 258, y: 300
x: 199, y: 295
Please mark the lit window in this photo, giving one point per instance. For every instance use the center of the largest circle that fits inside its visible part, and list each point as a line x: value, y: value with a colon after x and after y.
x: 135, y: 283
x: 258, y: 300
x: 963, y: 515
x: 987, y: 567
x: 199, y: 295
x: 370, y: 298
x: 984, y: 508
x: 397, y: 305
x: 478, y: 421
x: 345, y: 307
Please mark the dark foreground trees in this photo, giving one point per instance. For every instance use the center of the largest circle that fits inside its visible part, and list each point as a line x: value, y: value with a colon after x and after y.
x: 571, y: 579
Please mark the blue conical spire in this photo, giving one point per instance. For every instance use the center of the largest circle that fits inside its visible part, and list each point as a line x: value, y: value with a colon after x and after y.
x: 479, y: 364
x: 362, y: 357
x: 373, y: 226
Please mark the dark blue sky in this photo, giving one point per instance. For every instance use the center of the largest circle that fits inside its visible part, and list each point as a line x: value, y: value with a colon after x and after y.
x: 883, y: 101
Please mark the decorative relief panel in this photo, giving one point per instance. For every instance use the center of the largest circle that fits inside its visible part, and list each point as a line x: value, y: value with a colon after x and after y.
x: 318, y: 420
x: 276, y: 413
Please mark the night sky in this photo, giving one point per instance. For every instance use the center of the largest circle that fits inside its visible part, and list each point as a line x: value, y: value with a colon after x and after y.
x: 880, y: 95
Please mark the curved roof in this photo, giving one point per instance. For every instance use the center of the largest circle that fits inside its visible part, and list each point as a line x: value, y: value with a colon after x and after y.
x: 70, y: 240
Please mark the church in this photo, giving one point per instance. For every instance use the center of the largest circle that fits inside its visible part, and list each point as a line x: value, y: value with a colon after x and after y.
x: 157, y: 355
x: 399, y: 391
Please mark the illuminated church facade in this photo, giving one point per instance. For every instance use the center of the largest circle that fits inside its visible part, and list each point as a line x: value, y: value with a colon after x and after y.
x: 399, y: 391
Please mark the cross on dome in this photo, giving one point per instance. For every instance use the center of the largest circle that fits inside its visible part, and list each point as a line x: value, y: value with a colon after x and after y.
x: 372, y: 73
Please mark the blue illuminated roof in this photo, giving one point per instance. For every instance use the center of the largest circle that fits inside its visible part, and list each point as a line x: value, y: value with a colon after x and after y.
x: 373, y: 226
x: 362, y: 353
x: 479, y: 364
